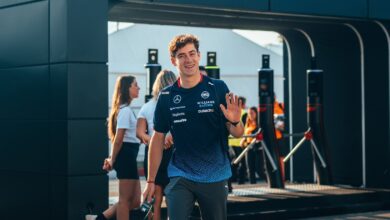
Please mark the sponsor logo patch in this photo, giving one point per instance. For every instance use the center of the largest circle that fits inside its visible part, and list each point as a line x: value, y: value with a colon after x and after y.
x: 180, y: 120
x: 205, y: 110
x: 178, y: 107
x: 178, y: 114
x: 177, y: 99
x: 205, y: 104
x: 205, y: 94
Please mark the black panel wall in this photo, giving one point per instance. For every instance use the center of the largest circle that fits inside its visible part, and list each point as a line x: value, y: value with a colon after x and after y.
x: 345, y: 8
x: 386, y: 27
x: 77, y: 32
x: 53, y: 87
x: 338, y: 52
x: 376, y: 83
x: 24, y: 41
x: 379, y: 9
x: 24, y: 73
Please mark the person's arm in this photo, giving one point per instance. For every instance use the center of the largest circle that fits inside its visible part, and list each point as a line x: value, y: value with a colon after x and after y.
x: 168, y: 140
x: 156, y: 148
x: 117, y: 144
x: 123, y: 123
x: 235, y: 130
x: 116, y: 147
x: 141, y: 131
x: 232, y: 113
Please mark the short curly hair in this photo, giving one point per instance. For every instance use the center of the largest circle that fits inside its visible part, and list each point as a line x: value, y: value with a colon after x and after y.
x: 180, y: 41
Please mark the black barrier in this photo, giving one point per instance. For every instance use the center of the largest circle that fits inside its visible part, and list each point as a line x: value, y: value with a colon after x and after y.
x: 315, y: 122
x: 266, y: 122
x: 316, y: 132
x: 212, y: 69
x: 152, y: 70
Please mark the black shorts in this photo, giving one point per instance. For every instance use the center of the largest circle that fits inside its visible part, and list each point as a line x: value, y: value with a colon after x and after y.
x: 126, y: 161
x: 162, y: 178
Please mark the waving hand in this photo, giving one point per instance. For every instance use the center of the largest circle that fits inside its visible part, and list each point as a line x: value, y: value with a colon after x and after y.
x: 232, y: 111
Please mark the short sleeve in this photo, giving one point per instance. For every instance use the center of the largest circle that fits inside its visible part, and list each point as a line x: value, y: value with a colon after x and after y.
x: 142, y: 112
x: 161, y: 114
x: 222, y: 89
x: 124, y: 118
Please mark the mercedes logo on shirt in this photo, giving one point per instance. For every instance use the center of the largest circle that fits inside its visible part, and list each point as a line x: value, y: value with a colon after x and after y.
x: 205, y: 94
x: 177, y: 99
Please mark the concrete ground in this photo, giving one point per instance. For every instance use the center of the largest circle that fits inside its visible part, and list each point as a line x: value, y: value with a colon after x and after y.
x: 113, y: 194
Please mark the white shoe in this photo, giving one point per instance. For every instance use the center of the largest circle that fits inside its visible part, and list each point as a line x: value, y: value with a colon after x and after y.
x: 90, y: 217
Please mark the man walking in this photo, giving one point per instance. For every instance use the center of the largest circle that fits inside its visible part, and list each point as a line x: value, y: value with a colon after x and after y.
x: 200, y: 113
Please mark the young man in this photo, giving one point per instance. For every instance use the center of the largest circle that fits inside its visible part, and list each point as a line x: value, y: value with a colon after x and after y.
x: 199, y: 112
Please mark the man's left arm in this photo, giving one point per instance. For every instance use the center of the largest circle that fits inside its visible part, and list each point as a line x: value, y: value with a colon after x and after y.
x: 232, y: 113
x: 235, y: 130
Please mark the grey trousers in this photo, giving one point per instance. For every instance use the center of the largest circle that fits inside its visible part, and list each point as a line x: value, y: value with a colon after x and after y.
x: 182, y: 193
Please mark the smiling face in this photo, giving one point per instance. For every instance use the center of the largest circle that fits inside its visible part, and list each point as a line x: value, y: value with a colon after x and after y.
x: 187, y: 60
x: 134, y: 89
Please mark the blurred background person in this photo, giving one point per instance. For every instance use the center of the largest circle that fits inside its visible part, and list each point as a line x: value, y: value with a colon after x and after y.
x: 279, y: 129
x: 145, y: 132
x: 125, y: 145
x: 239, y: 171
x: 254, y: 157
x: 202, y: 70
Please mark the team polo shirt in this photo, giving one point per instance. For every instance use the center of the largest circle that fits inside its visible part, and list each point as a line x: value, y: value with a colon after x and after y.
x: 194, y: 118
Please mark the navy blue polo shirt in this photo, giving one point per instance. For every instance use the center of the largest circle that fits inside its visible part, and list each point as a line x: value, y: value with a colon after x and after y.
x: 194, y: 118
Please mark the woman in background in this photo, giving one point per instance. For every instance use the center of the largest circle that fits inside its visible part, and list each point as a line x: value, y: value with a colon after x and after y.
x: 125, y: 145
x: 145, y: 132
x: 254, y: 157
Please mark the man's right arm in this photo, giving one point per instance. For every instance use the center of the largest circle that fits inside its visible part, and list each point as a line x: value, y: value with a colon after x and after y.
x: 156, y: 145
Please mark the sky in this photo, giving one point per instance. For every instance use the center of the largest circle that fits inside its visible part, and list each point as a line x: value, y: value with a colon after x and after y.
x: 262, y: 38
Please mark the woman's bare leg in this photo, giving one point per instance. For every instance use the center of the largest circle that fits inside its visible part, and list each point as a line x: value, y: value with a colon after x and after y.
x: 129, y: 198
